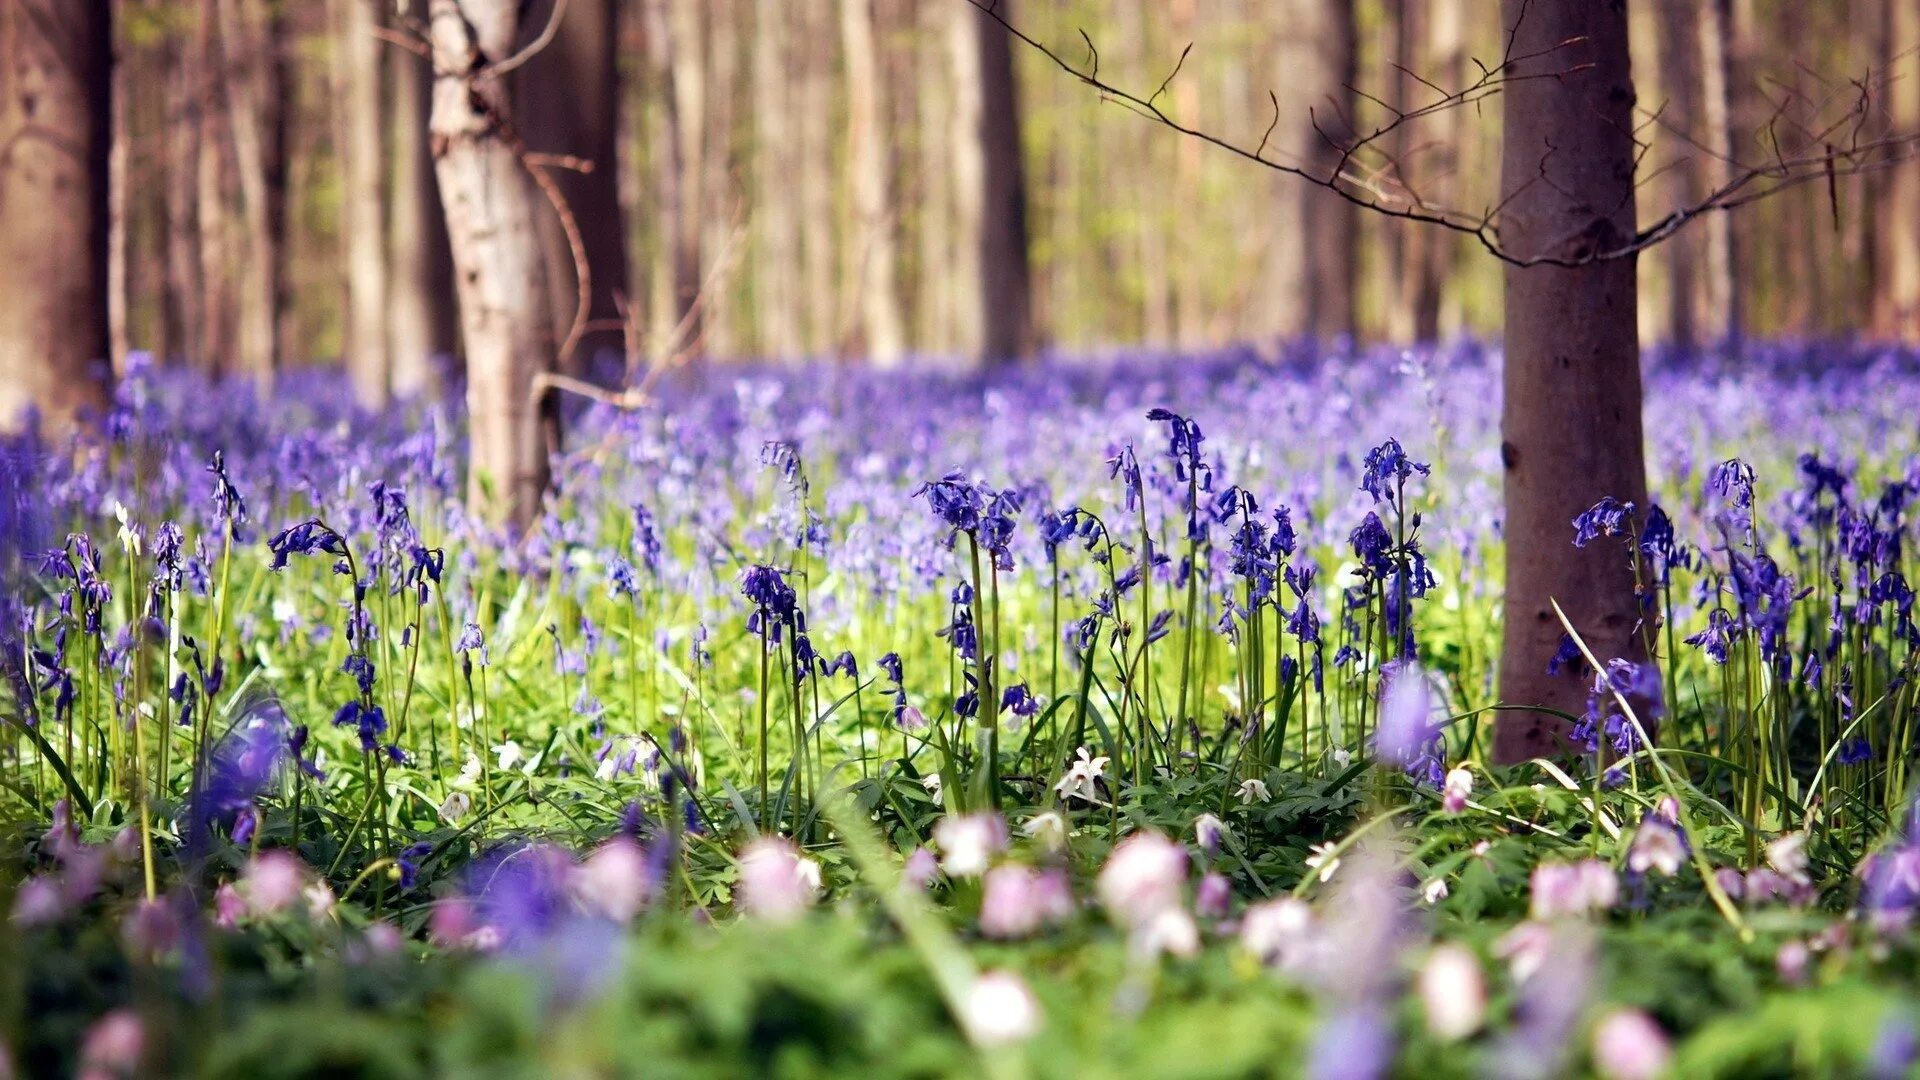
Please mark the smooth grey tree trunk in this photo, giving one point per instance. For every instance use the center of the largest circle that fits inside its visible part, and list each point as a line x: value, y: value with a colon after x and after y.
x: 55, y: 102
x: 1570, y: 417
x: 505, y: 317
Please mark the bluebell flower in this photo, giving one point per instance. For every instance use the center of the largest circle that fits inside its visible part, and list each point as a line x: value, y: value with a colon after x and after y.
x: 1018, y: 700
x: 1855, y: 751
x: 1387, y: 468
x: 1608, y: 517
x: 776, y: 604
x: 309, y: 537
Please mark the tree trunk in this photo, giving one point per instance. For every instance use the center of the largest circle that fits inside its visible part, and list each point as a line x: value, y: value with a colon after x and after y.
x: 56, y: 64
x: 1724, y: 293
x: 357, y: 60
x: 218, y: 252
x: 678, y: 283
x: 1570, y: 418
x: 871, y: 263
x: 1896, y: 292
x: 991, y: 181
x: 814, y: 180
x: 1680, y: 87
x: 778, y: 244
x: 251, y: 44
x: 568, y: 102
x: 421, y: 321
x: 185, y: 128
x: 491, y: 206
x: 1311, y: 265
x: 934, y: 296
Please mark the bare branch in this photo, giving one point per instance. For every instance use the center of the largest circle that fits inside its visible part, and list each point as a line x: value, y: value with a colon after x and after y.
x: 1368, y: 176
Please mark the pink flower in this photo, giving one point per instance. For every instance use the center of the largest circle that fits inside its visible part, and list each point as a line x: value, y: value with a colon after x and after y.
x: 1144, y: 876
x: 384, y: 939
x: 1792, y: 961
x: 1573, y: 888
x: 1628, y: 1045
x: 1169, y: 930
x: 1281, y: 932
x: 613, y: 880
x: 777, y: 883
x: 1453, y: 992
x: 272, y: 882
x: 1017, y: 900
x: 1459, y: 785
x: 1214, y: 898
x: 450, y: 922
x: 999, y: 1009
x: 38, y: 902
x: 968, y: 842
x: 229, y: 907
x: 113, y: 1046
x: 150, y: 929
x: 920, y: 870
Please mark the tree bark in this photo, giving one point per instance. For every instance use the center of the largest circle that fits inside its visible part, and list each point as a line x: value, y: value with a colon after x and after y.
x: 357, y: 59
x: 1896, y: 263
x: 1311, y: 264
x: 678, y: 282
x: 185, y: 128
x: 491, y: 206
x: 568, y: 103
x: 1680, y: 87
x: 55, y: 99
x: 1719, y: 46
x: 776, y: 303
x: 251, y: 45
x: 421, y: 321
x: 1570, y: 417
x: 991, y: 192
x: 871, y: 259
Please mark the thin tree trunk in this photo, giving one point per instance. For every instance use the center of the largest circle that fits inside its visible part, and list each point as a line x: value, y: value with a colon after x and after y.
x: 776, y: 306
x: 250, y: 40
x: 186, y: 124
x: 568, y: 101
x: 491, y: 204
x: 215, y: 190
x: 1680, y: 89
x: 814, y: 181
x: 1718, y: 48
x: 685, y: 62
x: 679, y: 280
x: 421, y: 321
x: 1004, y: 258
x: 716, y: 190
x: 357, y: 58
x: 55, y: 98
x: 934, y: 220
x: 1896, y: 292
x: 871, y: 263
x: 1570, y: 418
x: 1311, y: 268
x: 119, y: 208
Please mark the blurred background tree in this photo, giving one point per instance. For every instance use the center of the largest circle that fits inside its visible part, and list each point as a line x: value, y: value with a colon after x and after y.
x: 826, y: 178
